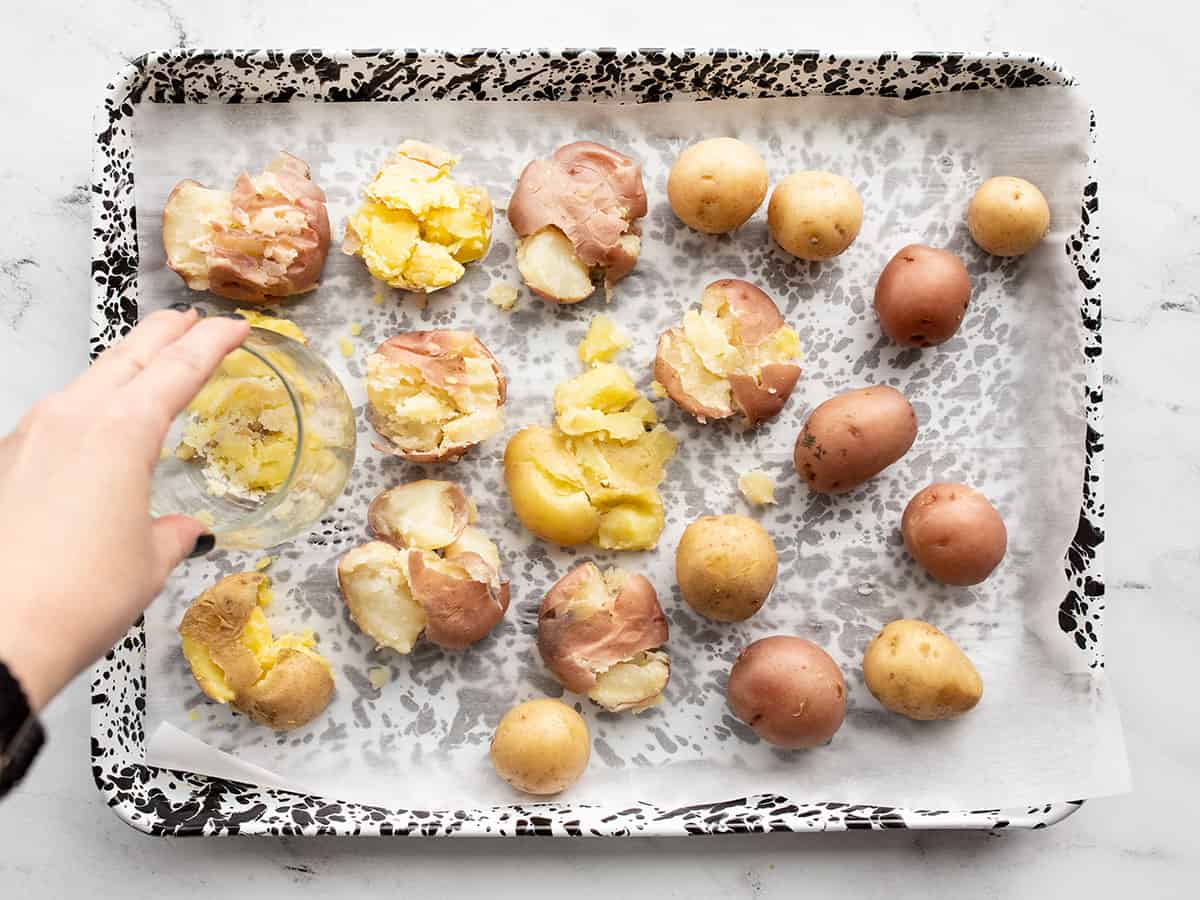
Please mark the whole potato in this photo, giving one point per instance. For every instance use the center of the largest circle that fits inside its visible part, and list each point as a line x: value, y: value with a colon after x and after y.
x: 1008, y: 216
x: 915, y: 670
x: 922, y: 295
x: 789, y: 691
x: 717, y: 184
x: 954, y: 533
x: 814, y: 215
x: 541, y: 746
x: 726, y: 567
x: 853, y: 437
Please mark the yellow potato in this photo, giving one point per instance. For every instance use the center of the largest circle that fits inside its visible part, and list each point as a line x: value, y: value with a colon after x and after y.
x: 814, y: 215
x: 915, y: 670
x: 541, y: 746
x: 726, y: 567
x: 546, y: 487
x: 1008, y: 216
x: 717, y: 184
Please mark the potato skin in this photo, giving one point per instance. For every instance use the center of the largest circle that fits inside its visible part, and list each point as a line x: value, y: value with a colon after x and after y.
x: 954, y: 533
x: 716, y: 185
x: 922, y: 295
x: 726, y: 567
x: 789, y: 691
x: 541, y: 746
x: 814, y: 215
x: 853, y: 437
x: 917, y: 671
x: 292, y: 694
x: 1008, y: 216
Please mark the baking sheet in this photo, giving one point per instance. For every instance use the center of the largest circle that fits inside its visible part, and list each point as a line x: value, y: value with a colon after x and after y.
x: 999, y: 406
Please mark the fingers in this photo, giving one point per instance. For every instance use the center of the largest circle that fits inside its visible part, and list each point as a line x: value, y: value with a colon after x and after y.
x: 125, y: 360
x: 174, y: 539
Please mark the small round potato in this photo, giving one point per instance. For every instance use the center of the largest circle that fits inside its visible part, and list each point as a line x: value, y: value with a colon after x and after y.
x: 922, y: 295
x: 915, y: 670
x: 717, y: 184
x: 814, y: 215
x: 853, y: 437
x: 541, y: 746
x: 954, y: 533
x: 1008, y: 216
x: 726, y: 567
x: 789, y: 691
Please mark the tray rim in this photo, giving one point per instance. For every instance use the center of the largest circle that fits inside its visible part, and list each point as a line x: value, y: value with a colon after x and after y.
x: 116, y: 777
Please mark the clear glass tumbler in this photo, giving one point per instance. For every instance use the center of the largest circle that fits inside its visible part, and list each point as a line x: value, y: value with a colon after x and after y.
x: 264, y: 448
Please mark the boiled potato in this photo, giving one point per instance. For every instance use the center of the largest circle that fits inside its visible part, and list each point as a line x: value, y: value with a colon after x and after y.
x: 726, y: 567
x: 853, y: 437
x: 922, y: 296
x: 814, y: 215
x: 541, y: 746
x: 954, y: 533
x: 915, y: 670
x: 717, y: 184
x: 1008, y: 216
x: 789, y: 691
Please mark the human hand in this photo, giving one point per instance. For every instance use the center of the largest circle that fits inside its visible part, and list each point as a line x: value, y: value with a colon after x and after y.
x: 80, y: 553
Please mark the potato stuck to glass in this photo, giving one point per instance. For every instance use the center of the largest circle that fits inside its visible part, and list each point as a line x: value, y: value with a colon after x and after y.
x: 602, y: 635
x: 265, y: 240
x: 917, y: 671
x: 954, y: 533
x: 433, y: 395
x: 575, y: 215
x: 735, y: 354
x: 541, y: 746
x: 726, y: 567
x: 922, y: 295
x: 814, y: 215
x: 1008, y: 216
x: 430, y: 571
x: 278, y: 682
x: 716, y: 185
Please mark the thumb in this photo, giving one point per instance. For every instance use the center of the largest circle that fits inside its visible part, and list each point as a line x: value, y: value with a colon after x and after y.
x: 176, y: 538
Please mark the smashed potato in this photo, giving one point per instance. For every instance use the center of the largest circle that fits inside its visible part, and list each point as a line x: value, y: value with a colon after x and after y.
x: 430, y: 571
x: 278, y: 682
x: 733, y: 354
x: 264, y: 240
x: 601, y: 635
x: 433, y: 395
x: 417, y: 226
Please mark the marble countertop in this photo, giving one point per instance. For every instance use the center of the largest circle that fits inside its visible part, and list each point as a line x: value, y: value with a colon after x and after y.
x: 1135, y: 62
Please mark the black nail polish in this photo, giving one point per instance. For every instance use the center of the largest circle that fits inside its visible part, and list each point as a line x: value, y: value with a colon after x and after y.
x: 232, y: 316
x: 180, y: 307
x: 204, y: 545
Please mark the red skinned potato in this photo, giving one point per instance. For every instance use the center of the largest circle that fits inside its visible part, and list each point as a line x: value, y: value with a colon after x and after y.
x: 922, y: 295
x: 433, y: 395
x: 265, y: 240
x: 954, y: 533
x: 575, y: 215
x: 732, y: 355
x: 601, y: 635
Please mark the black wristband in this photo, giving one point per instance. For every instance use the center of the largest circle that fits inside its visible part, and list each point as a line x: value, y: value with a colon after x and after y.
x: 21, y: 734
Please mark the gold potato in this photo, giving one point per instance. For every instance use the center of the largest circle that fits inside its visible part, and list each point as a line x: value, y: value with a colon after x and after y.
x: 716, y: 185
x: 726, y: 567
x: 602, y: 634
x: 541, y: 747
x: 853, y: 437
x: 789, y: 691
x: 915, y: 670
x: 922, y: 295
x: 1008, y: 216
x: 814, y: 215
x: 954, y: 533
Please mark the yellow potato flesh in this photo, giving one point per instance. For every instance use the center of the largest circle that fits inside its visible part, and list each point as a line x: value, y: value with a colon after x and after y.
x: 603, y: 341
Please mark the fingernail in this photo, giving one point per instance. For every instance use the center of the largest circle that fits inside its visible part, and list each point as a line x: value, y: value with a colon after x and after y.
x: 204, y: 544
x: 180, y: 307
x: 232, y: 316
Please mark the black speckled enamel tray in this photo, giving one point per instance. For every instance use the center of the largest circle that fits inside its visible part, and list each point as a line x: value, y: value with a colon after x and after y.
x: 160, y: 801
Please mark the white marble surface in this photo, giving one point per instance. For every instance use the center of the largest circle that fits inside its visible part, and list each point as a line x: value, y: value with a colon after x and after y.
x: 1137, y: 64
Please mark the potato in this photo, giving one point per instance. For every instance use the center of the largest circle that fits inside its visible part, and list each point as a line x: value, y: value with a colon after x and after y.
x: 814, y: 215
x: 915, y: 670
x: 1008, y: 216
x: 265, y: 240
x: 789, y: 691
x: 922, y: 296
x: 733, y: 354
x: 546, y: 487
x: 853, y: 437
x: 716, y: 185
x: 726, y: 567
x: 954, y: 533
x: 433, y: 395
x: 575, y: 215
x: 601, y: 634
x: 278, y: 682
x: 541, y: 746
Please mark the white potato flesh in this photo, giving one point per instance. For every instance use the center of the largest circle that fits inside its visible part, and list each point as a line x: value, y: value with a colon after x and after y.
x: 473, y: 540
x: 635, y: 684
x: 423, y: 515
x: 548, y: 264
x: 188, y: 220
x: 374, y: 582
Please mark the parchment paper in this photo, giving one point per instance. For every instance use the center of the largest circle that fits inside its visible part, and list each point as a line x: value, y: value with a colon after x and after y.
x: 1000, y: 406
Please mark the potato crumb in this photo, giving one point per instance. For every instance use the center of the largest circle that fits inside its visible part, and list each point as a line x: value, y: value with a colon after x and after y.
x: 355, y: 329
x: 264, y: 563
x: 193, y: 715
x: 503, y: 295
x: 347, y: 347
x: 603, y: 341
x: 658, y: 390
x: 165, y: 453
x: 378, y: 298
x: 204, y: 517
x: 757, y: 487
x: 379, y: 676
